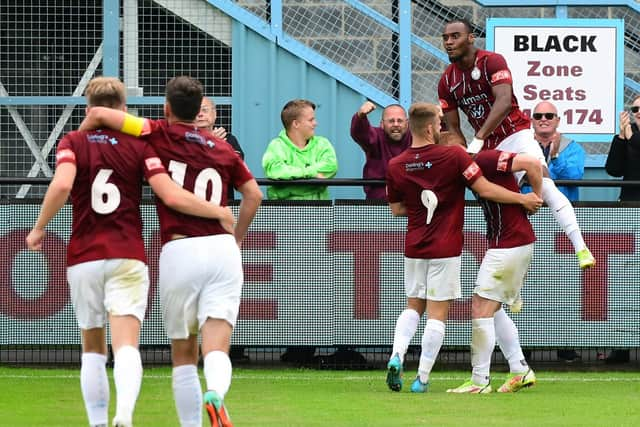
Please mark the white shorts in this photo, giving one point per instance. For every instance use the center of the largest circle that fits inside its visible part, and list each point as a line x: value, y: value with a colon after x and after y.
x: 117, y: 286
x: 436, y: 279
x: 200, y: 277
x: 502, y: 273
x: 522, y: 142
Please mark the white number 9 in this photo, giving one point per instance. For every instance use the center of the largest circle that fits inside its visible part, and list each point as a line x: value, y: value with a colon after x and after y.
x: 105, y: 196
x: 430, y: 201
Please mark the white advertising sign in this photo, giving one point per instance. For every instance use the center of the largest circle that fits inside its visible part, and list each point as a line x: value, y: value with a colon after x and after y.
x: 333, y: 276
x: 576, y: 64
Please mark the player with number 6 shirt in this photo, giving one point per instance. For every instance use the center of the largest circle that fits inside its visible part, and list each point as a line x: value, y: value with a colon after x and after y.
x: 200, y: 265
x: 106, y: 264
x: 427, y: 184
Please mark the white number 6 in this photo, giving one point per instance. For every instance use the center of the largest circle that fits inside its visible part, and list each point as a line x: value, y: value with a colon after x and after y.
x: 105, y: 196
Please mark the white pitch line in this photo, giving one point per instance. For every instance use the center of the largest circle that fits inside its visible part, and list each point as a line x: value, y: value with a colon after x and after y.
x: 333, y: 378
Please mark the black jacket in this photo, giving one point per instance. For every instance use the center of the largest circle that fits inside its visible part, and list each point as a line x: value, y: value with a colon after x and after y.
x: 624, y: 160
x: 236, y: 147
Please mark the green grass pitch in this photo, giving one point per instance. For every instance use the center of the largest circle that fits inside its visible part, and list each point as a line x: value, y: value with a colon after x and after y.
x: 290, y: 397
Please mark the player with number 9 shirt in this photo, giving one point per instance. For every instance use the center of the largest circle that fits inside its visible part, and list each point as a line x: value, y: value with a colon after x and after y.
x: 427, y: 183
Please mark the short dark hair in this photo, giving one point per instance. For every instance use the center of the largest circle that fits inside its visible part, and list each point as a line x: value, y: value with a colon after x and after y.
x: 184, y: 95
x: 468, y: 25
x: 292, y: 110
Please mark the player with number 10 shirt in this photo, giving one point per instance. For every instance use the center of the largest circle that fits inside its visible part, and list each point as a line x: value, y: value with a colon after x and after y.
x: 200, y: 163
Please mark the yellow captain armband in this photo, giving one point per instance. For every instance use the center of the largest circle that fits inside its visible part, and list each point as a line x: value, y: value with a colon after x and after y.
x: 132, y: 125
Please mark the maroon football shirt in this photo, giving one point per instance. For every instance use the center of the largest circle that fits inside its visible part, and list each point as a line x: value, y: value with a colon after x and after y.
x: 507, y: 225
x: 431, y: 182
x: 471, y: 91
x: 200, y: 163
x: 106, y: 193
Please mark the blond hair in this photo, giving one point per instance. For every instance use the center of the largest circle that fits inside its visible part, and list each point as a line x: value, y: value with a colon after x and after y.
x: 105, y: 92
x: 421, y: 114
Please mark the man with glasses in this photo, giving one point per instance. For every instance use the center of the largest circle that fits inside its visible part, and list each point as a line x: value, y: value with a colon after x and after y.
x: 380, y: 143
x: 564, y: 156
x: 623, y: 161
x: 624, y: 154
x: 479, y: 83
x: 206, y: 119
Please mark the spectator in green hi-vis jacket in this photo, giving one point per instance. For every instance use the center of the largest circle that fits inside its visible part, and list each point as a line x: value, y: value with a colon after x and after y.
x: 297, y: 153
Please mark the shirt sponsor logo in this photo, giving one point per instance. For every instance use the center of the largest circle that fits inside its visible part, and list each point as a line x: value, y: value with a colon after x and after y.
x: 476, y: 111
x: 501, y: 75
x: 195, y: 137
x: 153, y: 163
x: 65, y: 154
x: 472, y: 170
x: 98, y: 138
x: 468, y: 100
x: 415, y: 166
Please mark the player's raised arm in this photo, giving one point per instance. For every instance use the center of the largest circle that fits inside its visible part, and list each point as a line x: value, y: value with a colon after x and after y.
x: 454, y: 132
x: 487, y: 190
x: 101, y: 117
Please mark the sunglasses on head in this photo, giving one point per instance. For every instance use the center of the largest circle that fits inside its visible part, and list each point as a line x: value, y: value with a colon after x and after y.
x: 635, y: 109
x: 548, y: 116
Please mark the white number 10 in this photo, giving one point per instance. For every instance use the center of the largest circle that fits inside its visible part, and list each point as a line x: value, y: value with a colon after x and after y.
x: 178, y: 171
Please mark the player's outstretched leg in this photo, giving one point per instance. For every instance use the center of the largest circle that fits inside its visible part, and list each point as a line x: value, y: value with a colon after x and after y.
x: 432, y: 338
x: 394, y: 373
x: 521, y: 375
x: 215, y: 409
x: 517, y: 381
x: 217, y: 372
x: 565, y: 216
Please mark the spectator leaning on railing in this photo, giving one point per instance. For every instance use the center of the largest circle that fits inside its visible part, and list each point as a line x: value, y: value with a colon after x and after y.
x: 297, y: 153
x: 380, y: 143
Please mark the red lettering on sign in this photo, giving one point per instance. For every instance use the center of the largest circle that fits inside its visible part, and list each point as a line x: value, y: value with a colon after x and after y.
x: 56, y: 295
x: 595, y: 289
x: 366, y: 248
x: 259, y: 308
